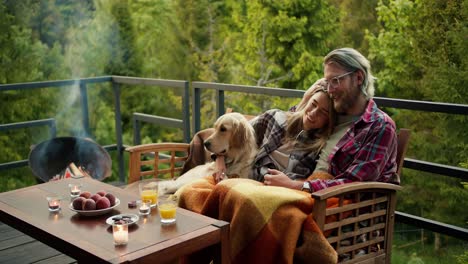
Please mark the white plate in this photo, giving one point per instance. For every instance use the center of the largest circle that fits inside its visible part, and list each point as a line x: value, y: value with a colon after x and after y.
x: 95, y: 212
x: 133, y: 218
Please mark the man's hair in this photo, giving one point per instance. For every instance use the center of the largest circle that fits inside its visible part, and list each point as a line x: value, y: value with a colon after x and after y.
x: 351, y: 60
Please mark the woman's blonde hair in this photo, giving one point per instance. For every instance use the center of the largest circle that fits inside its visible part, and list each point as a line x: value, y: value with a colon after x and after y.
x: 317, y: 137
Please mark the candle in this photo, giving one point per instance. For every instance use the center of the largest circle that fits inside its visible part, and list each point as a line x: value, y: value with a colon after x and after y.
x: 75, y: 190
x: 144, y: 207
x: 54, y: 203
x: 120, y: 234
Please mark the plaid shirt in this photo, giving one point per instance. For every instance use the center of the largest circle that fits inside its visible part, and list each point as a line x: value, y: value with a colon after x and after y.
x: 270, y: 129
x: 367, y: 152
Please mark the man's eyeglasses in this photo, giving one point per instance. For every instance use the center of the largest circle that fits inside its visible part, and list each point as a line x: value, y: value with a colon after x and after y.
x: 335, y: 81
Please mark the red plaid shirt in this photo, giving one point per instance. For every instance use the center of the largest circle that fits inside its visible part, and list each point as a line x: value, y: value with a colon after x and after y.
x: 367, y: 152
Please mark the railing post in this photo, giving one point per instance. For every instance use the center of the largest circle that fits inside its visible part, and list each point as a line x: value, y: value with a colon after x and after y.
x: 84, y: 108
x: 186, y: 112
x: 220, y: 102
x: 118, y: 130
x: 53, y: 129
x: 196, y: 109
x: 136, y: 131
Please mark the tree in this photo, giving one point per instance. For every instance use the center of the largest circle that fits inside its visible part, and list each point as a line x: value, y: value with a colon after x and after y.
x: 281, y: 43
x: 356, y: 18
x: 420, y: 55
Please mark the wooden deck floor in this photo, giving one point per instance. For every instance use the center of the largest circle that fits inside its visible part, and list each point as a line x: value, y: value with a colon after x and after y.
x: 16, y: 247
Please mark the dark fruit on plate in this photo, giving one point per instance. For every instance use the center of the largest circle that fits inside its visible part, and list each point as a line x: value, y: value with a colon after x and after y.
x: 85, y: 194
x: 78, y: 203
x: 89, y: 204
x: 111, y: 198
x: 95, y: 197
x: 102, y: 203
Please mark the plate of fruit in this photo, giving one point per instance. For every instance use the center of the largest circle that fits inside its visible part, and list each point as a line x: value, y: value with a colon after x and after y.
x: 122, y: 219
x: 88, y: 204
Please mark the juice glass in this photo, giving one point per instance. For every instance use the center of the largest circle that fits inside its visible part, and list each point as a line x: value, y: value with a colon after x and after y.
x: 167, y: 205
x: 149, y: 191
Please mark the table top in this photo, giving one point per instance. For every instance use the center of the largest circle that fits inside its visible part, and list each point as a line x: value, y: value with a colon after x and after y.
x: 90, y: 238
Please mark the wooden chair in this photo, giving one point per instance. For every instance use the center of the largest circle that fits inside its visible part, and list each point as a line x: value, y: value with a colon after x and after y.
x: 167, y: 160
x: 156, y: 160
x: 360, y: 228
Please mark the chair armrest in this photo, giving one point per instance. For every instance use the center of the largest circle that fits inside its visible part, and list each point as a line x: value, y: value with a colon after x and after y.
x: 353, y: 187
x: 158, y: 146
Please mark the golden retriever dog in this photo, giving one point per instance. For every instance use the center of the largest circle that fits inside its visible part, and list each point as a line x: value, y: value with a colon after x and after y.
x: 234, y: 139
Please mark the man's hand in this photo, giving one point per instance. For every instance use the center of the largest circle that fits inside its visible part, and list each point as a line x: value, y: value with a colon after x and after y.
x: 278, y: 178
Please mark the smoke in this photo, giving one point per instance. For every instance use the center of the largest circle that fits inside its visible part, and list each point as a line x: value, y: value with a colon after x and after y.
x: 87, y: 46
x: 87, y: 54
x: 90, y: 44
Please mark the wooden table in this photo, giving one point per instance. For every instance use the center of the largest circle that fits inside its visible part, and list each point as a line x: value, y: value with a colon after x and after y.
x: 90, y: 240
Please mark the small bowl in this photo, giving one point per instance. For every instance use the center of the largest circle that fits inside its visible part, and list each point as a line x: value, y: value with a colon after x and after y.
x: 133, y: 218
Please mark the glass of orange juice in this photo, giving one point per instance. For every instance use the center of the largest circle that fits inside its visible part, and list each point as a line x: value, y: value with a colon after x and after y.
x: 149, y: 191
x: 167, y: 205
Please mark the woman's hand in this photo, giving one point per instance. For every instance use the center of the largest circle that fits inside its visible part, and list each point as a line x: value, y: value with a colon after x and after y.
x: 278, y: 178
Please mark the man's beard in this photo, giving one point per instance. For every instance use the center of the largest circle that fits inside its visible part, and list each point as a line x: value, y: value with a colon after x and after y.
x: 346, y: 100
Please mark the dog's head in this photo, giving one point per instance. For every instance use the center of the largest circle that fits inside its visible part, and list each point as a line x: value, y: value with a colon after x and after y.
x: 232, y: 132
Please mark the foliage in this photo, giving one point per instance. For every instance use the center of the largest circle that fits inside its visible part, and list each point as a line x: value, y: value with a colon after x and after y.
x: 356, y: 18
x: 416, y: 47
x: 155, y: 40
x: 281, y: 43
x: 419, y: 55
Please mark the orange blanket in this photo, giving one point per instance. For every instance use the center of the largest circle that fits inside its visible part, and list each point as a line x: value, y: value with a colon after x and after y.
x: 267, y: 224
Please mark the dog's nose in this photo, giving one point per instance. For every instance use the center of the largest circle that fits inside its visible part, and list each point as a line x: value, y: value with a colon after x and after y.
x: 207, y: 144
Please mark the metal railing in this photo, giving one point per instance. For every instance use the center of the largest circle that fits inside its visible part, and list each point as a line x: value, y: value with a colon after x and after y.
x: 220, y: 90
x: 116, y: 82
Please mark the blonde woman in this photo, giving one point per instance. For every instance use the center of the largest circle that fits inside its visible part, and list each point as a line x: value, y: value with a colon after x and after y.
x: 289, y: 142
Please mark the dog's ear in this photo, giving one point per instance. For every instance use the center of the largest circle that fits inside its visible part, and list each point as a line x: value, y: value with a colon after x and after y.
x: 239, y: 136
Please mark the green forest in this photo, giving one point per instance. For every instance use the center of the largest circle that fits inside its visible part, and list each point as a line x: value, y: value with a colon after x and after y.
x: 417, y: 49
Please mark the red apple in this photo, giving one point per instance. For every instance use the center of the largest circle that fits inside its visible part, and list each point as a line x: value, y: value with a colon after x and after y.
x: 78, y: 203
x: 85, y: 194
x: 102, y: 203
x: 89, y: 204
x: 111, y: 198
x: 95, y: 197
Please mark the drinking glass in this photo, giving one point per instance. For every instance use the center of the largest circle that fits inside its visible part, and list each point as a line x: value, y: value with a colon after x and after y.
x: 167, y: 205
x: 149, y: 191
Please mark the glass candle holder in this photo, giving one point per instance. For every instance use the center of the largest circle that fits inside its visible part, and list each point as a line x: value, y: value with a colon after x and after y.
x: 144, y: 207
x: 75, y: 189
x: 53, y: 203
x: 120, y: 233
